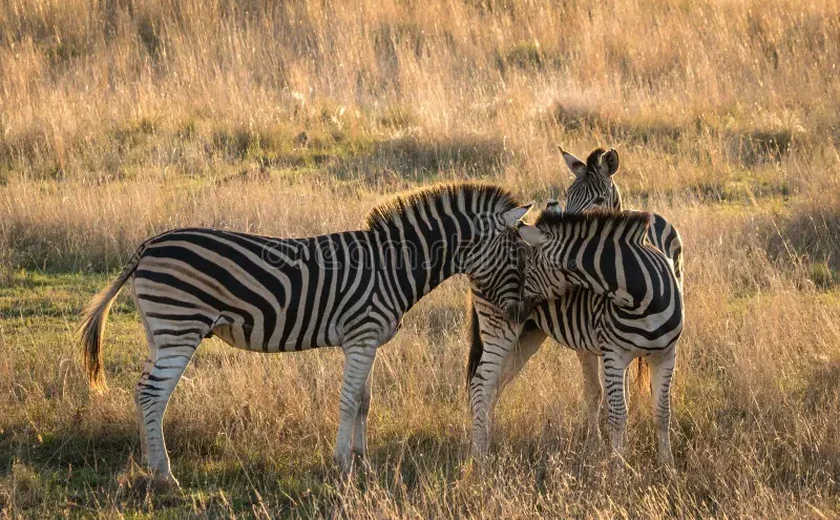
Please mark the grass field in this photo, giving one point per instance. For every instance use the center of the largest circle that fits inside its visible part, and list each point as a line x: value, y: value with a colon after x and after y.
x: 120, y: 119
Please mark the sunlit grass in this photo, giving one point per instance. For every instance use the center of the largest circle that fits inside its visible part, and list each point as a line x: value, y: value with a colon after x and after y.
x: 121, y: 120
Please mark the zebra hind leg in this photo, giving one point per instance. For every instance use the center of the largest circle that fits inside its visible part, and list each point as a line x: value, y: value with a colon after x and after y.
x: 170, y: 351
x: 614, y: 373
x: 358, y: 361
x: 662, y: 371
x: 144, y: 446
x: 592, y: 397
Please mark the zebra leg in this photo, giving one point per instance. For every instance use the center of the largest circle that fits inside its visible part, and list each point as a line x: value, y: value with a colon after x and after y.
x: 592, y: 396
x: 144, y: 446
x: 358, y: 360
x: 152, y: 396
x: 662, y: 371
x: 615, y: 370
x: 500, y: 362
x: 171, y: 346
x: 529, y: 343
x: 482, y: 394
x: 360, y: 423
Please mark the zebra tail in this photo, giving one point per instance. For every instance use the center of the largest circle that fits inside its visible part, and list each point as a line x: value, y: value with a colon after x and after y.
x: 92, y: 325
x: 476, y: 346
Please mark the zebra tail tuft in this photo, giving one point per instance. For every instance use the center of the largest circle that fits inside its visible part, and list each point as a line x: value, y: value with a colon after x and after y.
x: 92, y: 324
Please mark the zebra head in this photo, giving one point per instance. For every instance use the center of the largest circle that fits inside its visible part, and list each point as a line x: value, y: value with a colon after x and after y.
x: 495, y: 263
x: 593, y: 186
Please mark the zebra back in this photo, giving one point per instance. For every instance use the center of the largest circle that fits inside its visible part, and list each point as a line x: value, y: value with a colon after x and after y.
x: 594, y: 187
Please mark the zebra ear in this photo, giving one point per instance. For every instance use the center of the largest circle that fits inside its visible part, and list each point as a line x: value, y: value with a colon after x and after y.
x: 575, y: 165
x: 608, y: 163
x: 512, y: 216
x: 532, y: 235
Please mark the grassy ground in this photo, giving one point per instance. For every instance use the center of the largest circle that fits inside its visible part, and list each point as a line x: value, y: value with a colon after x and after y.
x: 122, y: 119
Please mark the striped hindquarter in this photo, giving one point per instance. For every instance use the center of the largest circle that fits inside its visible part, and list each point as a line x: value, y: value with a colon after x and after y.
x: 345, y: 289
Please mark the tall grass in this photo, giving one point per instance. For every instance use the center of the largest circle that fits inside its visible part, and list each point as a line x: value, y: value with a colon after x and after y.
x: 120, y: 119
x: 102, y: 90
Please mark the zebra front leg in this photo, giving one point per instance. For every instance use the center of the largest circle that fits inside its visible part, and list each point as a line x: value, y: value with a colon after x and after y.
x: 483, y: 389
x: 360, y: 423
x: 490, y: 381
x: 592, y: 396
x: 662, y: 371
x: 497, y: 343
x: 615, y: 370
x: 495, y: 370
x: 152, y: 396
x: 358, y: 361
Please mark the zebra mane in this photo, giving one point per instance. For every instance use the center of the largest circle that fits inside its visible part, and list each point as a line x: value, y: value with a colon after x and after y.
x: 548, y: 219
x: 488, y: 196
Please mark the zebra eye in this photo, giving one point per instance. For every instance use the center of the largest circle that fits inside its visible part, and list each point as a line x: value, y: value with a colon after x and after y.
x: 600, y: 200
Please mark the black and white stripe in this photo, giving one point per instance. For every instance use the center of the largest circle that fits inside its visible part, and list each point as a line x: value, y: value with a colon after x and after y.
x: 604, y: 291
x: 347, y: 289
x: 593, y: 188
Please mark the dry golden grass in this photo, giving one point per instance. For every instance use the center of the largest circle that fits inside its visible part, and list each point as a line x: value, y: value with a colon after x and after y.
x: 119, y: 119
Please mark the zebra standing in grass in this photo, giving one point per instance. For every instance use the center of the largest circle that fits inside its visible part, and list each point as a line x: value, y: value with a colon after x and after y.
x: 593, y: 188
x: 267, y: 294
x: 625, y: 302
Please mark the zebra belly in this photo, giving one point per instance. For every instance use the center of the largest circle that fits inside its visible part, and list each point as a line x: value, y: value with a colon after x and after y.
x: 582, y: 330
x: 572, y: 322
x: 254, y: 338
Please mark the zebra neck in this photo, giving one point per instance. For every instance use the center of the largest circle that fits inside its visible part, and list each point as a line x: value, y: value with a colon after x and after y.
x: 412, y: 265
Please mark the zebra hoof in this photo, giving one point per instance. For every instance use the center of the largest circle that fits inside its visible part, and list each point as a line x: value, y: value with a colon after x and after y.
x: 166, y: 483
x: 619, y: 466
x: 344, y: 461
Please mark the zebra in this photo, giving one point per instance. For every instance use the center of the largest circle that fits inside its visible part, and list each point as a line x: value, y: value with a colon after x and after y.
x: 268, y: 294
x: 603, y: 290
x: 592, y: 188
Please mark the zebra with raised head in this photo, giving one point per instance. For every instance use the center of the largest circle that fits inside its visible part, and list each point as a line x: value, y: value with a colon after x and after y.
x: 269, y: 294
x: 593, y: 188
x: 604, y: 290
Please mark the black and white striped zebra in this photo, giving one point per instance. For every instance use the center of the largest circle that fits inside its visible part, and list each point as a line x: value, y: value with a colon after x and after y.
x: 605, y: 291
x: 267, y: 294
x: 593, y: 188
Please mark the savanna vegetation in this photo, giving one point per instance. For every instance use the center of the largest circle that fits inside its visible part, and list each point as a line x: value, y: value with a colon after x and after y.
x: 120, y: 119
